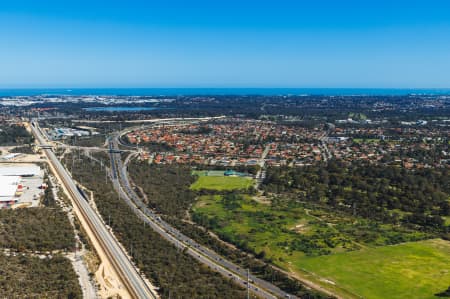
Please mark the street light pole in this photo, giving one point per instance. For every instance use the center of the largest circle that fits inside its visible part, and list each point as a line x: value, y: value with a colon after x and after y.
x: 248, y: 283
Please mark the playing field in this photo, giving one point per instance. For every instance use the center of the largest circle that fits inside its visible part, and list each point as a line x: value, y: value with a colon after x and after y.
x: 409, y: 270
x: 222, y: 183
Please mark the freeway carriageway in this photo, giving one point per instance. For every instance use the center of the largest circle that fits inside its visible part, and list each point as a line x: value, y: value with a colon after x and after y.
x: 261, y: 288
x: 129, y: 276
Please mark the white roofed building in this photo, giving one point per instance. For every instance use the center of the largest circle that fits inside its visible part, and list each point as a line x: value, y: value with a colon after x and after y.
x: 20, y: 170
x: 20, y: 185
x: 9, y: 187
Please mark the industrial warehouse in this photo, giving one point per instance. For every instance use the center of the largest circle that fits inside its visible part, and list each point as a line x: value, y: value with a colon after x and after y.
x: 21, y: 185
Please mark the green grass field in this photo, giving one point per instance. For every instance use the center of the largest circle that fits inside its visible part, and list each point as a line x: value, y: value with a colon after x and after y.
x: 325, y: 247
x: 410, y: 270
x: 280, y: 232
x: 222, y: 183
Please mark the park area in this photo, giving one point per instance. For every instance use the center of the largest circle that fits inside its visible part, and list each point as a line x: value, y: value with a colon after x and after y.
x: 344, y: 255
x: 280, y: 233
x: 216, y: 180
x: 409, y: 270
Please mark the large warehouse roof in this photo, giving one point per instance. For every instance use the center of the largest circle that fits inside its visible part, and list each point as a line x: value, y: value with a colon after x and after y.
x: 20, y: 170
x: 8, y: 187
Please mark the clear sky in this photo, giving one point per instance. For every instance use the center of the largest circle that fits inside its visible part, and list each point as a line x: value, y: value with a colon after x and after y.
x: 225, y: 43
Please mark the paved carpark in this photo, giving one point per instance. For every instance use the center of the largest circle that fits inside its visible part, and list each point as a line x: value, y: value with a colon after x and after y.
x: 31, y: 190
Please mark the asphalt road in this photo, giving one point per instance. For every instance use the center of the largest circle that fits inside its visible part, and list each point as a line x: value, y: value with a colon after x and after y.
x: 129, y: 275
x: 206, y: 256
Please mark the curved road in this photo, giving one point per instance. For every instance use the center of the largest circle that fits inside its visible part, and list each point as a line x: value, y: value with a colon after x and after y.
x: 203, y: 254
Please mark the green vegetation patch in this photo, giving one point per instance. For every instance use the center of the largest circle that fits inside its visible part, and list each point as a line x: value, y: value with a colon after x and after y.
x: 284, y: 229
x: 33, y: 277
x: 165, y: 186
x: 277, y: 232
x: 221, y: 183
x: 286, y: 233
x: 386, y: 194
x: 89, y: 141
x: 447, y: 220
x: 40, y: 229
x: 14, y: 135
x: 167, y: 190
x: 177, y: 274
x: 409, y: 270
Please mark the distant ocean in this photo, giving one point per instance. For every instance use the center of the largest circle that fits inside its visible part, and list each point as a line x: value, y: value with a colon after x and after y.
x: 222, y: 91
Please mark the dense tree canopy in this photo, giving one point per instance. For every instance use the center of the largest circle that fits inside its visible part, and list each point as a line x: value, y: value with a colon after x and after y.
x: 385, y: 193
x: 166, y: 186
x: 177, y: 274
x: 14, y: 135
x: 167, y: 190
x: 35, y: 229
x: 33, y: 277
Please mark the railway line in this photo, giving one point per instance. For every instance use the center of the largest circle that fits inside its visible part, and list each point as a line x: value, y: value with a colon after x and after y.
x: 135, y: 285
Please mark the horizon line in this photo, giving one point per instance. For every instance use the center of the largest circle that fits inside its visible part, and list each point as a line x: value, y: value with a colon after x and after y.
x: 228, y: 87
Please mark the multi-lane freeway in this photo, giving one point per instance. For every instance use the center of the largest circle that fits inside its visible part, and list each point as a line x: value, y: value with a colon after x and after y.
x: 132, y: 280
x: 204, y: 255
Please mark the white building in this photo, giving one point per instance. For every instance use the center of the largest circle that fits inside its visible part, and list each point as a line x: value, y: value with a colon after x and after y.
x: 9, y: 187
x: 24, y: 170
x: 10, y: 156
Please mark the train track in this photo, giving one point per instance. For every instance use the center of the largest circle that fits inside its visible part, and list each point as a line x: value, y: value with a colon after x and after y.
x: 129, y: 276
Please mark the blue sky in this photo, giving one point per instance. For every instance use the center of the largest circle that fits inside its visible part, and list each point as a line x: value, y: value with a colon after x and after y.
x: 386, y: 44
